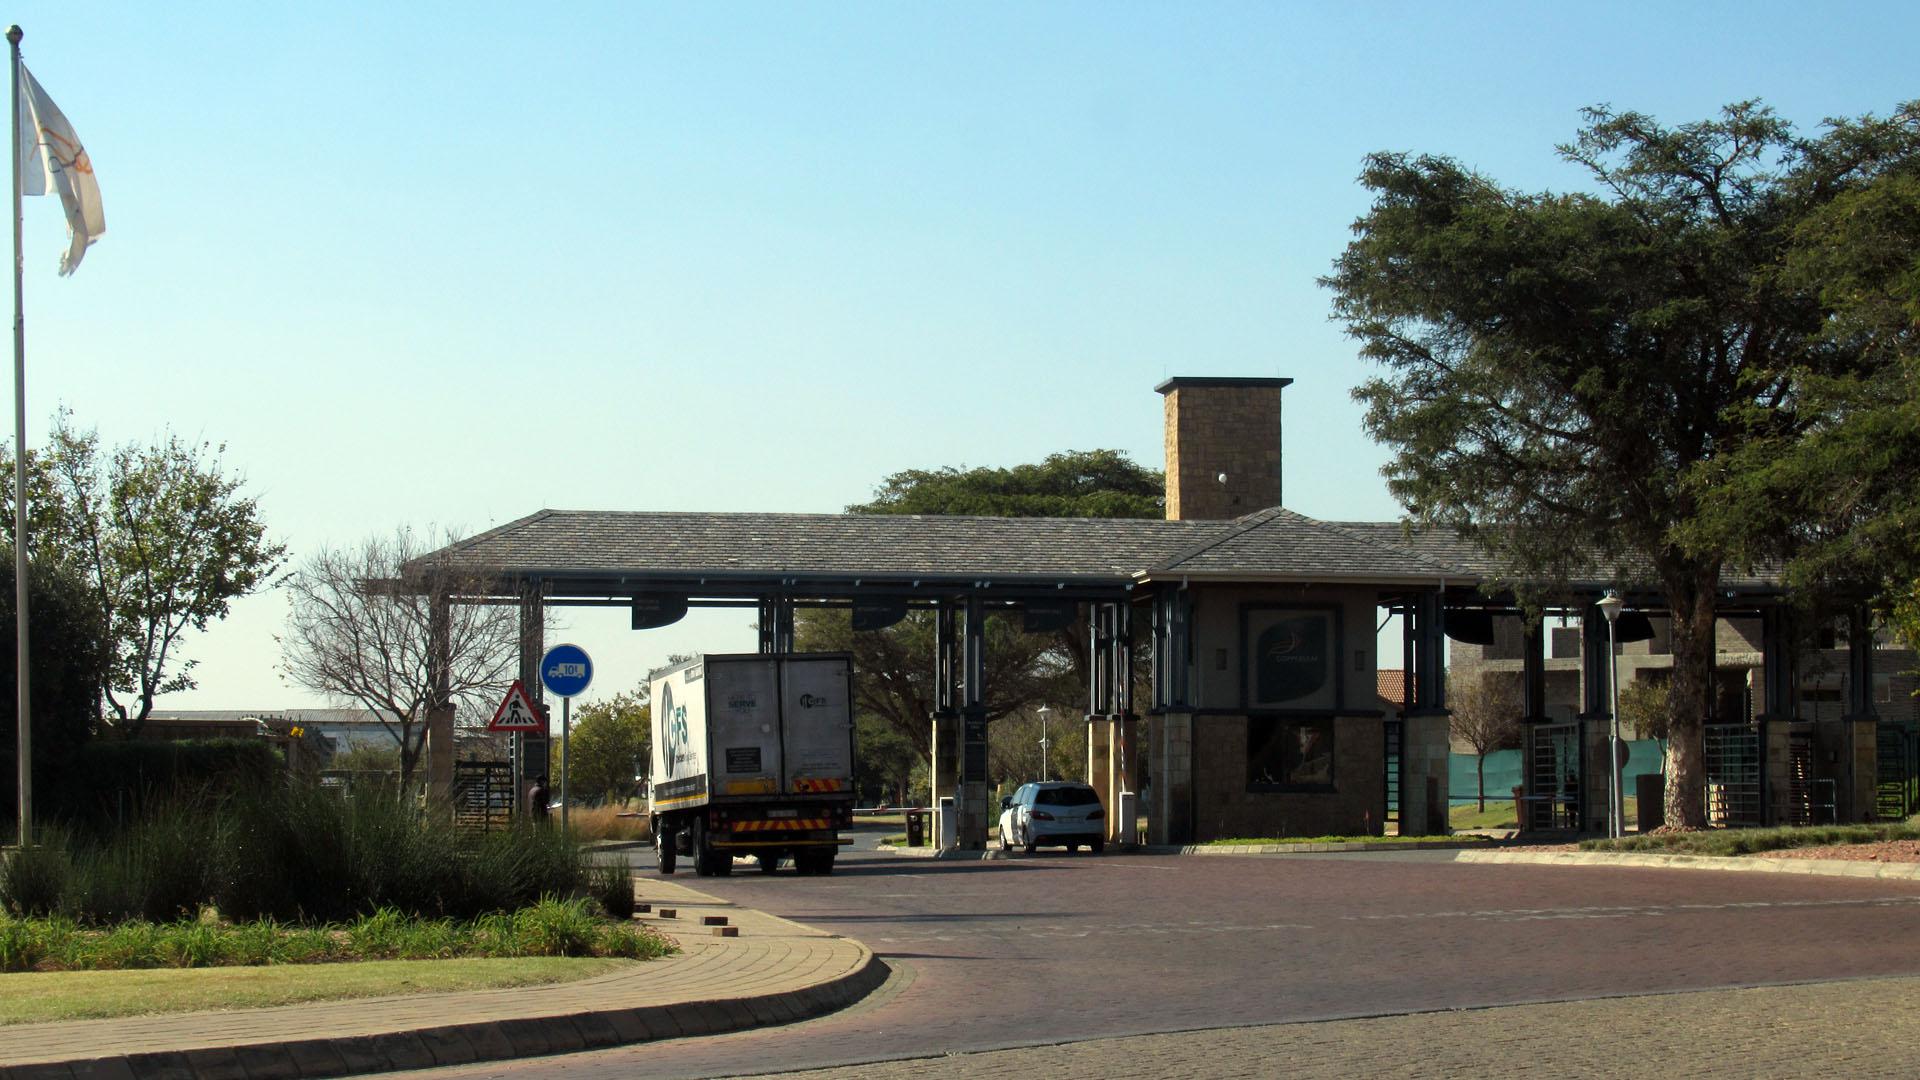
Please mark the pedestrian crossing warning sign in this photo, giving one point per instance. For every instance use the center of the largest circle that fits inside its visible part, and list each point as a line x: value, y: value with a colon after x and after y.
x: 517, y: 712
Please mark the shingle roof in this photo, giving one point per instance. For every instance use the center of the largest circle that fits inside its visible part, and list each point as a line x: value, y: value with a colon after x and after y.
x: 1269, y: 543
x: 1272, y: 544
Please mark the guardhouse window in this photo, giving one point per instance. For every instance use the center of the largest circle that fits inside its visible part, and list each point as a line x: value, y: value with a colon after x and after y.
x: 1289, y: 755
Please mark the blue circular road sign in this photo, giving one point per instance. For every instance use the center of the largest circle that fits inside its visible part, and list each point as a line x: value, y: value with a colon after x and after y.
x: 566, y: 670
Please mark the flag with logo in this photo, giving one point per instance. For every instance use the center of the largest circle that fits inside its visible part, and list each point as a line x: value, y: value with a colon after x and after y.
x: 52, y: 159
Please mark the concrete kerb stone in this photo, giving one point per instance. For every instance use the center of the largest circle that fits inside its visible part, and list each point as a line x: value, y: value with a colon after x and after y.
x: 855, y: 973
x: 1735, y: 863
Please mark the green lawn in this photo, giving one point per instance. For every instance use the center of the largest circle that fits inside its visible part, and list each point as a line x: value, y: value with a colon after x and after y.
x: 35, y: 997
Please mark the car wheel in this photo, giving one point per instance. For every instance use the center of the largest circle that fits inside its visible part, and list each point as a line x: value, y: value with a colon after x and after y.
x: 1097, y: 846
x: 1030, y: 845
x: 1073, y: 849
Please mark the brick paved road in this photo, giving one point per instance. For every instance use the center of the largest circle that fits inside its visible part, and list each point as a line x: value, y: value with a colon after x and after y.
x: 1865, y: 1028
x: 1056, y: 947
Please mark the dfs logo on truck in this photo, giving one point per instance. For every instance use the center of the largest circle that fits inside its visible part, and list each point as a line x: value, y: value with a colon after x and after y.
x: 675, y: 730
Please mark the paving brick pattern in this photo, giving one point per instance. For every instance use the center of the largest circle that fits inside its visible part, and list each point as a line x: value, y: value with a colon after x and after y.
x: 1864, y: 1028
x: 776, y: 971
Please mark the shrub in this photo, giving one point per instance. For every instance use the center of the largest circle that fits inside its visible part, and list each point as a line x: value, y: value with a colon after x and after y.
x: 555, y: 928
x: 33, y: 879
x: 121, y: 781
x: 612, y: 885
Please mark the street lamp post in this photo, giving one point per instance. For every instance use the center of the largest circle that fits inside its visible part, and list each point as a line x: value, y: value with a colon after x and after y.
x: 1610, y: 606
x: 1044, y: 764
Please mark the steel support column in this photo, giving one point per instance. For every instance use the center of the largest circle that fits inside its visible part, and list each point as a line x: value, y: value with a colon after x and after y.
x: 973, y: 724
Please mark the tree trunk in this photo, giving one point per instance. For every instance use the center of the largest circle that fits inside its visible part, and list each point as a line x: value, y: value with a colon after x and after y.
x: 1482, y: 769
x: 1690, y: 598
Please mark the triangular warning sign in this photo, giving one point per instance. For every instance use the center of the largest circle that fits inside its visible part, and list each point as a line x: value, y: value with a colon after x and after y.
x: 517, y: 712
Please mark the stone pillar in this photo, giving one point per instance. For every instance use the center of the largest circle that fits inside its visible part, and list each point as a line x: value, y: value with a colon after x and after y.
x: 943, y: 771
x: 1170, y: 776
x: 1862, y: 724
x: 1776, y: 746
x: 530, y: 758
x: 1424, y: 750
x: 1596, y: 722
x: 439, y: 717
x: 1100, y: 762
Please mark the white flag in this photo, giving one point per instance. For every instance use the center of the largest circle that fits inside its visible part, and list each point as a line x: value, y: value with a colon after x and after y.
x: 52, y: 159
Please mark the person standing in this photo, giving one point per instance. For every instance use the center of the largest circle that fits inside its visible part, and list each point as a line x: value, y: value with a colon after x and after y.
x: 537, y: 796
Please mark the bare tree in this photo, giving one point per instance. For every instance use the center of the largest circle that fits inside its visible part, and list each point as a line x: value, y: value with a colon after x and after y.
x: 362, y: 627
x: 1486, y: 716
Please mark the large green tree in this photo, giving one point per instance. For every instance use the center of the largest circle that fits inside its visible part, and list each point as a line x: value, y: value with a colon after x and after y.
x: 1835, y: 492
x: 69, y: 664
x: 607, y: 748
x: 1023, y: 670
x: 164, y: 537
x: 1567, y: 374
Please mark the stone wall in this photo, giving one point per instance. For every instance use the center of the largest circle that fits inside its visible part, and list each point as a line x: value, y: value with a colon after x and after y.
x: 1225, y: 808
x: 1218, y: 427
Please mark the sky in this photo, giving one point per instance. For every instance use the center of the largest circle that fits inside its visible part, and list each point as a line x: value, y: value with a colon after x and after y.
x: 443, y: 265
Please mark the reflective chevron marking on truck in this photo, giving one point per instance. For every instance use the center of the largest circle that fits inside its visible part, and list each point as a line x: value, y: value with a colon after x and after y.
x: 781, y: 825
x: 803, y: 783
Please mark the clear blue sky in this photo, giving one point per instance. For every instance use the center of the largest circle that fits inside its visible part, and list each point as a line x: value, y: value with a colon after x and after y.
x: 448, y: 264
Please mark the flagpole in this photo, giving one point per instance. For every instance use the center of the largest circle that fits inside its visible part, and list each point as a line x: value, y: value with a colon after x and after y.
x: 23, y: 696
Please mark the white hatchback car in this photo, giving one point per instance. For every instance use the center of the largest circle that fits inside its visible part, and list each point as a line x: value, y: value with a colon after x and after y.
x: 1053, y: 812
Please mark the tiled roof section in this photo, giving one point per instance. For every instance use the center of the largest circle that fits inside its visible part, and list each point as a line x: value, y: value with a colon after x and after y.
x: 1391, y: 685
x: 1278, y: 541
x: 839, y: 544
x: 1470, y: 560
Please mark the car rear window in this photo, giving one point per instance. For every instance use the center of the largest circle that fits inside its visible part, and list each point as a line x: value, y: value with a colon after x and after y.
x: 1066, y: 796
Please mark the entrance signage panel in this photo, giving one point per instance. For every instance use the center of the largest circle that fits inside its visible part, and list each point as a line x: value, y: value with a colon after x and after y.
x: 878, y: 614
x: 652, y: 610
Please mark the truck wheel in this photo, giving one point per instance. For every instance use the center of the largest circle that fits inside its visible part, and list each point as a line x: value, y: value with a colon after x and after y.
x: 663, y: 851
x: 702, y: 857
x: 814, y: 861
x: 769, y: 861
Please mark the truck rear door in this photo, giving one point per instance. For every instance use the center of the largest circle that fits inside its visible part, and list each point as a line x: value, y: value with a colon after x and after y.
x: 743, y: 715
x: 816, y: 693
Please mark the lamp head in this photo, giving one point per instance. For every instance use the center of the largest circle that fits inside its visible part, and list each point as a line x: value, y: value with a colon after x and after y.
x: 1610, y: 606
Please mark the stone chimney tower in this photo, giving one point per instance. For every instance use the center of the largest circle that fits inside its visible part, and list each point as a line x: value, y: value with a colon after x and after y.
x: 1223, y: 446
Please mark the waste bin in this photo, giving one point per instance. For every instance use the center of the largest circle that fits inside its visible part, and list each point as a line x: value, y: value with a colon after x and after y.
x: 1650, y: 789
x: 916, y: 828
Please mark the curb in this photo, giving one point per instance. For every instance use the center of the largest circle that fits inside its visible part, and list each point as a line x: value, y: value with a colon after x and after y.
x: 463, y: 1044
x: 1307, y: 849
x: 1736, y: 863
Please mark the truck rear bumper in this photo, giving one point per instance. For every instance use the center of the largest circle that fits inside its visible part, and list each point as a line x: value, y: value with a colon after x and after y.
x: 776, y: 841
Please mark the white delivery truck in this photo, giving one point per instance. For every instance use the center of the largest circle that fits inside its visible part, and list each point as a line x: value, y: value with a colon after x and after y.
x: 752, y: 755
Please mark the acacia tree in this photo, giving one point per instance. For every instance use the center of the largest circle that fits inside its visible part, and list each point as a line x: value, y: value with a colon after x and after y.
x: 1568, y: 374
x: 1486, y: 716
x: 165, y: 540
x: 1838, y: 499
x: 361, y: 633
x: 1023, y: 670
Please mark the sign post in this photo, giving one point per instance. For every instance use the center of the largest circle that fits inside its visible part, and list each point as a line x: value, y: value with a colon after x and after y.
x: 565, y: 671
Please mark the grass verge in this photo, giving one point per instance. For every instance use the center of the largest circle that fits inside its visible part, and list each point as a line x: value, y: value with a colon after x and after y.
x: 549, y: 928
x: 35, y: 997
x: 1749, y: 841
